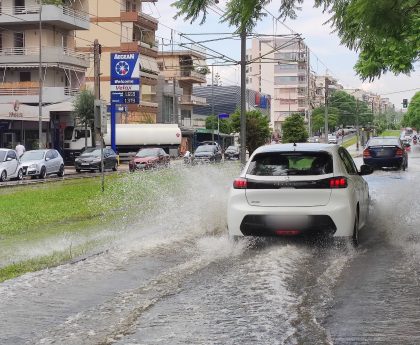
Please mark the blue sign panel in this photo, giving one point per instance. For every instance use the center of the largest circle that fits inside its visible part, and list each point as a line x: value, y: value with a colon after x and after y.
x: 125, y: 78
x: 223, y: 116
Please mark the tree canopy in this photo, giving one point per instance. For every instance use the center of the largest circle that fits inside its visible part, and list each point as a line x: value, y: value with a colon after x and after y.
x: 385, y: 33
x: 318, y: 118
x: 224, y: 124
x: 294, y: 130
x: 257, y: 128
x: 84, y: 104
x: 412, y: 116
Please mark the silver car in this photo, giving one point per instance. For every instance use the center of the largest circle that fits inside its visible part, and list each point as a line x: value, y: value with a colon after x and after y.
x: 10, y: 167
x: 40, y: 163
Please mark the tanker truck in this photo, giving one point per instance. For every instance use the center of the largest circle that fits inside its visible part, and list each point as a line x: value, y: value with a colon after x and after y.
x: 129, y: 138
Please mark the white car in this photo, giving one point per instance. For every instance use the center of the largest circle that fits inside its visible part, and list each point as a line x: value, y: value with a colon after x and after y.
x: 40, y: 163
x: 10, y: 167
x: 299, y: 189
x: 332, y: 139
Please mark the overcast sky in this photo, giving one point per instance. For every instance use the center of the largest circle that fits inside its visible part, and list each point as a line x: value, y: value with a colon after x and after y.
x: 326, y: 51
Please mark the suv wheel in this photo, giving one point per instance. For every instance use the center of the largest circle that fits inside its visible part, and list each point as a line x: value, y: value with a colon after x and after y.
x: 19, y: 175
x: 3, y: 176
x: 43, y: 173
x: 61, y: 171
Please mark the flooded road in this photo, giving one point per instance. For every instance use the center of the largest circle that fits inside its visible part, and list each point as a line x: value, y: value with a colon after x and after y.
x: 173, y: 277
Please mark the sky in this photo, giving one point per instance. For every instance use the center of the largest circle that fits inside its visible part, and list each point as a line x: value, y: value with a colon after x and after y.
x: 326, y: 52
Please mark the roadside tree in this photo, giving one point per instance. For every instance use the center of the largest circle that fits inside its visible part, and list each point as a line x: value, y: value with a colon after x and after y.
x: 412, y: 117
x: 318, y: 118
x: 224, y: 124
x: 257, y: 128
x: 294, y: 130
x: 84, y: 104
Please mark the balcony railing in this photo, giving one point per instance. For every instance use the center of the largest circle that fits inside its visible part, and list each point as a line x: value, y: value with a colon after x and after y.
x: 50, y: 55
x: 45, y: 51
x: 192, y: 74
x: 65, y: 10
x: 193, y: 100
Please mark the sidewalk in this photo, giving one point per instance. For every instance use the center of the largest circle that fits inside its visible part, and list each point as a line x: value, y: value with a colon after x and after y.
x: 354, y: 153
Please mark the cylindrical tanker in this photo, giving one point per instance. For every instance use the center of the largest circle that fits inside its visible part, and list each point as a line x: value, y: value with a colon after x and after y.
x: 133, y: 136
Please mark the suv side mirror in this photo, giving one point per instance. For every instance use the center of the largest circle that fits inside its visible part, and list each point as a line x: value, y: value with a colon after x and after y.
x: 365, y: 170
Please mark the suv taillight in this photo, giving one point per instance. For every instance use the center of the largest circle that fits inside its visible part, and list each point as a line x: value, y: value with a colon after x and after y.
x: 399, y: 152
x: 338, y: 182
x: 240, y: 183
x: 366, y: 153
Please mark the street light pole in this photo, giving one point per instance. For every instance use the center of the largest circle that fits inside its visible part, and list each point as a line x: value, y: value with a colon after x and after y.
x: 326, y: 111
x: 212, y: 103
x: 243, y: 104
x: 40, y: 78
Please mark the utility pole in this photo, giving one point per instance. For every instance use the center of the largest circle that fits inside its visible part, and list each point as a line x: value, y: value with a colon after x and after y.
x: 98, y: 135
x: 326, y: 110
x: 243, y: 104
x: 40, y: 78
x: 357, y: 124
x: 212, y: 102
x: 97, y: 90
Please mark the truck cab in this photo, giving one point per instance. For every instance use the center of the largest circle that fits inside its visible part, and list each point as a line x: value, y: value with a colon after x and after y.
x: 74, y: 141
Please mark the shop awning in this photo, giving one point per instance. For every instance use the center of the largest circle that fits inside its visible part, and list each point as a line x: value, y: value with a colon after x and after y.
x: 149, y: 63
x: 22, y: 112
x: 63, y: 106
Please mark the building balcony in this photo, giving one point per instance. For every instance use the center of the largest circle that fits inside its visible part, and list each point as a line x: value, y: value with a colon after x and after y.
x: 192, y: 77
x: 28, y: 92
x: 192, y: 100
x: 61, y: 16
x: 141, y: 47
x: 50, y: 55
x: 143, y: 20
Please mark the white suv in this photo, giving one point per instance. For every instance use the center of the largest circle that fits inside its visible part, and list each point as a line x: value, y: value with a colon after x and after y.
x: 299, y: 189
x: 10, y: 167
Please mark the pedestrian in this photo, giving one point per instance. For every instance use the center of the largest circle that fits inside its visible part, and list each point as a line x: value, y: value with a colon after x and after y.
x: 20, y: 149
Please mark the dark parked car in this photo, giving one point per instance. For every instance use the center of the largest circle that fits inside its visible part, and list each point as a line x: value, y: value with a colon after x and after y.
x: 149, y: 158
x: 386, y: 152
x: 232, y: 152
x: 206, y: 154
x: 90, y: 159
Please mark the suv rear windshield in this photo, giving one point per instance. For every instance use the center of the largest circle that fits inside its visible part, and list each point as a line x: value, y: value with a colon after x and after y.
x: 291, y: 163
x: 383, y: 141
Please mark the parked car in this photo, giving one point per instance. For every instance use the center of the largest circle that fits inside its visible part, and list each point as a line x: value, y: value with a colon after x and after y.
x: 299, y: 189
x: 215, y: 143
x: 314, y: 139
x: 386, y: 152
x: 90, y: 159
x: 206, y: 154
x: 149, y: 158
x: 10, y: 167
x: 232, y: 152
x: 40, y: 163
x: 332, y: 139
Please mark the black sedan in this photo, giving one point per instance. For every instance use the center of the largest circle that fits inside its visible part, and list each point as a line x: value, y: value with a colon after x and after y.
x: 206, y: 154
x: 90, y: 159
x: 387, y: 152
x: 232, y: 152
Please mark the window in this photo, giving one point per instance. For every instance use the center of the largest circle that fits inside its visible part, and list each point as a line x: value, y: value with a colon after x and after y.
x: 291, y: 164
x: 19, y: 40
x: 285, y: 80
x: 347, y: 161
x: 78, y: 134
x: 24, y: 76
x: 49, y: 155
x: 11, y: 154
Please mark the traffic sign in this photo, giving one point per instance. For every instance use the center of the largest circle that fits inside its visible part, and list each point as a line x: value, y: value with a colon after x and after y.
x: 223, y: 116
x: 125, y: 78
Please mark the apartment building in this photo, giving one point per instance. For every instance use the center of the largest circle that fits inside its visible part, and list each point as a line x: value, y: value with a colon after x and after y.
x: 280, y: 67
x: 181, y: 70
x: 62, y: 69
x: 324, y: 85
x: 122, y: 26
x: 375, y: 102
